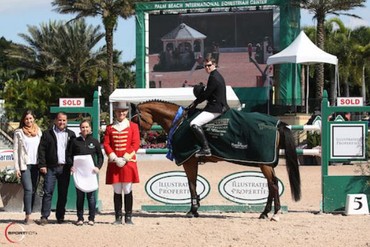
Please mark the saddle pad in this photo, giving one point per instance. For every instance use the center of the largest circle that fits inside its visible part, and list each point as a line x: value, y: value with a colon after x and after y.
x: 235, y: 136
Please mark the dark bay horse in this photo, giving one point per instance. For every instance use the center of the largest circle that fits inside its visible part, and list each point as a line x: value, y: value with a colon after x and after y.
x: 163, y: 113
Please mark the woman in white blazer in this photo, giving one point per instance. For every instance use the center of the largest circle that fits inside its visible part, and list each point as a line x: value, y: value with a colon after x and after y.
x: 26, y: 143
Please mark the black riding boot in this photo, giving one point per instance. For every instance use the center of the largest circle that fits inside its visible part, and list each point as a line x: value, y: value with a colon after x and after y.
x: 128, y: 208
x: 199, y: 134
x: 117, y: 208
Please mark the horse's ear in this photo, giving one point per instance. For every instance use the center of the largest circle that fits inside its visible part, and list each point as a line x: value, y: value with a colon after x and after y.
x: 133, y: 108
x: 134, y: 113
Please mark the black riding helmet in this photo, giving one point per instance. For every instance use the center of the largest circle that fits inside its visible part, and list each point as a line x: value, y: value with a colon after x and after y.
x: 198, y: 89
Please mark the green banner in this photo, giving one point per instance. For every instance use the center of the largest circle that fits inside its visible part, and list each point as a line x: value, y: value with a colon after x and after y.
x: 176, y: 5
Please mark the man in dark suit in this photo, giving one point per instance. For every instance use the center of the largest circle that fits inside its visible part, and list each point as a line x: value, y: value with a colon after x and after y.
x: 55, y: 165
x: 215, y: 95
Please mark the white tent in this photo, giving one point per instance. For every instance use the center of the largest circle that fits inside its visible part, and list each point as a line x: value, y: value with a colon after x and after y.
x: 303, y: 51
x: 182, y: 96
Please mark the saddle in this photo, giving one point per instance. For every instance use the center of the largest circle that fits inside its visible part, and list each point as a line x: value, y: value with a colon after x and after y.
x: 235, y: 136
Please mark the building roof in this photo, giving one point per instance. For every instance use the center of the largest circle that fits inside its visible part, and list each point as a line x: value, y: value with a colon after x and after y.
x: 183, y: 32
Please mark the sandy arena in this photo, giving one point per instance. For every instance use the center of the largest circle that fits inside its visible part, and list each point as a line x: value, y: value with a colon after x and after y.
x: 302, y: 225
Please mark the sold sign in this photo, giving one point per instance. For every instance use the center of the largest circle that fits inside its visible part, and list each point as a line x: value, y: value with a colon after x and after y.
x: 350, y: 101
x: 71, y: 102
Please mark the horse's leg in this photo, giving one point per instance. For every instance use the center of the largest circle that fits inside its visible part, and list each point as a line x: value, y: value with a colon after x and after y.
x: 277, y: 206
x: 272, y: 184
x: 191, y: 170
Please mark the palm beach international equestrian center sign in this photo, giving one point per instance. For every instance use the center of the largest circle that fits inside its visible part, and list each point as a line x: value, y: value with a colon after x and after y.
x: 214, y: 4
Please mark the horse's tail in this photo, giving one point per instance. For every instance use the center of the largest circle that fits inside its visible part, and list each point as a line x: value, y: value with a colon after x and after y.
x: 288, y: 143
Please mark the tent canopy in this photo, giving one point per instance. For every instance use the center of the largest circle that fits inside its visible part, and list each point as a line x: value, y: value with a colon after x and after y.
x: 183, y: 32
x: 182, y: 96
x: 302, y: 51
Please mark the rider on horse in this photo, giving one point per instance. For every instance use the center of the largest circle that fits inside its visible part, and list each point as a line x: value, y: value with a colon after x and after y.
x: 215, y: 94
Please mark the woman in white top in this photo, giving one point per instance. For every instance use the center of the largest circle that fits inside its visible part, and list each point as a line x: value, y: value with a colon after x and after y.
x: 26, y: 142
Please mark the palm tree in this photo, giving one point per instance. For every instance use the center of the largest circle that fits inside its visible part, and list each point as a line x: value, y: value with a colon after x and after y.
x: 4, y: 60
x: 8, y: 70
x: 59, y: 49
x: 34, y: 55
x: 64, y: 61
x: 361, y: 49
x: 337, y: 33
x: 74, y: 46
x: 109, y: 10
x: 125, y: 74
x: 320, y: 9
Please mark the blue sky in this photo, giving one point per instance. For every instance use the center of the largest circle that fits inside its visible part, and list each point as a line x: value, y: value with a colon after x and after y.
x: 16, y: 15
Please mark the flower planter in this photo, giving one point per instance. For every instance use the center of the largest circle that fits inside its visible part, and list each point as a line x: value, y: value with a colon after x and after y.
x: 12, y: 197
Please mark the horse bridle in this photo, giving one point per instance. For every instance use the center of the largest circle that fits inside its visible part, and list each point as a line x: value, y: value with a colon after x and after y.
x: 140, y: 118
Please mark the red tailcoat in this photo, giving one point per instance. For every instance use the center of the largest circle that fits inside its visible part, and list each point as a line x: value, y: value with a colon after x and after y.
x: 121, y: 142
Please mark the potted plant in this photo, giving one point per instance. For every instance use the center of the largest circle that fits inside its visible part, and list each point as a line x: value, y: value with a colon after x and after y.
x: 11, y: 190
x: 9, y: 175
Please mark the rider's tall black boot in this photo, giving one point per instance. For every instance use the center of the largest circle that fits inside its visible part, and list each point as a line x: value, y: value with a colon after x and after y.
x: 117, y: 199
x: 199, y: 134
x: 128, y: 208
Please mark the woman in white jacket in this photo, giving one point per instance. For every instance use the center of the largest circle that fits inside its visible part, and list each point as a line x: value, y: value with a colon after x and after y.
x: 26, y: 142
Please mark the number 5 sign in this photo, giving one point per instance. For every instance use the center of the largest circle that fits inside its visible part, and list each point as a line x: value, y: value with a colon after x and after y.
x: 356, y: 204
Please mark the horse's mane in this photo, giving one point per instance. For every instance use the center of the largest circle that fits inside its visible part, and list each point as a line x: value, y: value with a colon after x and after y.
x: 157, y: 101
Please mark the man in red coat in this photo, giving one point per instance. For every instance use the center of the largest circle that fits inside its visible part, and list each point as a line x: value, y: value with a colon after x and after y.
x: 121, y: 142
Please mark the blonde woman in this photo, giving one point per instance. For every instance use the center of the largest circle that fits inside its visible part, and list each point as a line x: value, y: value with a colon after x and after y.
x: 121, y: 142
x: 26, y: 142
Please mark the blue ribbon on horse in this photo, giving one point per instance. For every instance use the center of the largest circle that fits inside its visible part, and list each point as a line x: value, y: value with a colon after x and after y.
x: 174, y: 125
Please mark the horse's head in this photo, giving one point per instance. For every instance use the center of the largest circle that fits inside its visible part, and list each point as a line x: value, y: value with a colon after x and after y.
x: 142, y: 117
x: 154, y: 111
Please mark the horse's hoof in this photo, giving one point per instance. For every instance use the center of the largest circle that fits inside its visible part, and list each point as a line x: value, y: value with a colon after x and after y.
x: 275, y: 217
x: 263, y: 216
x: 191, y: 214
